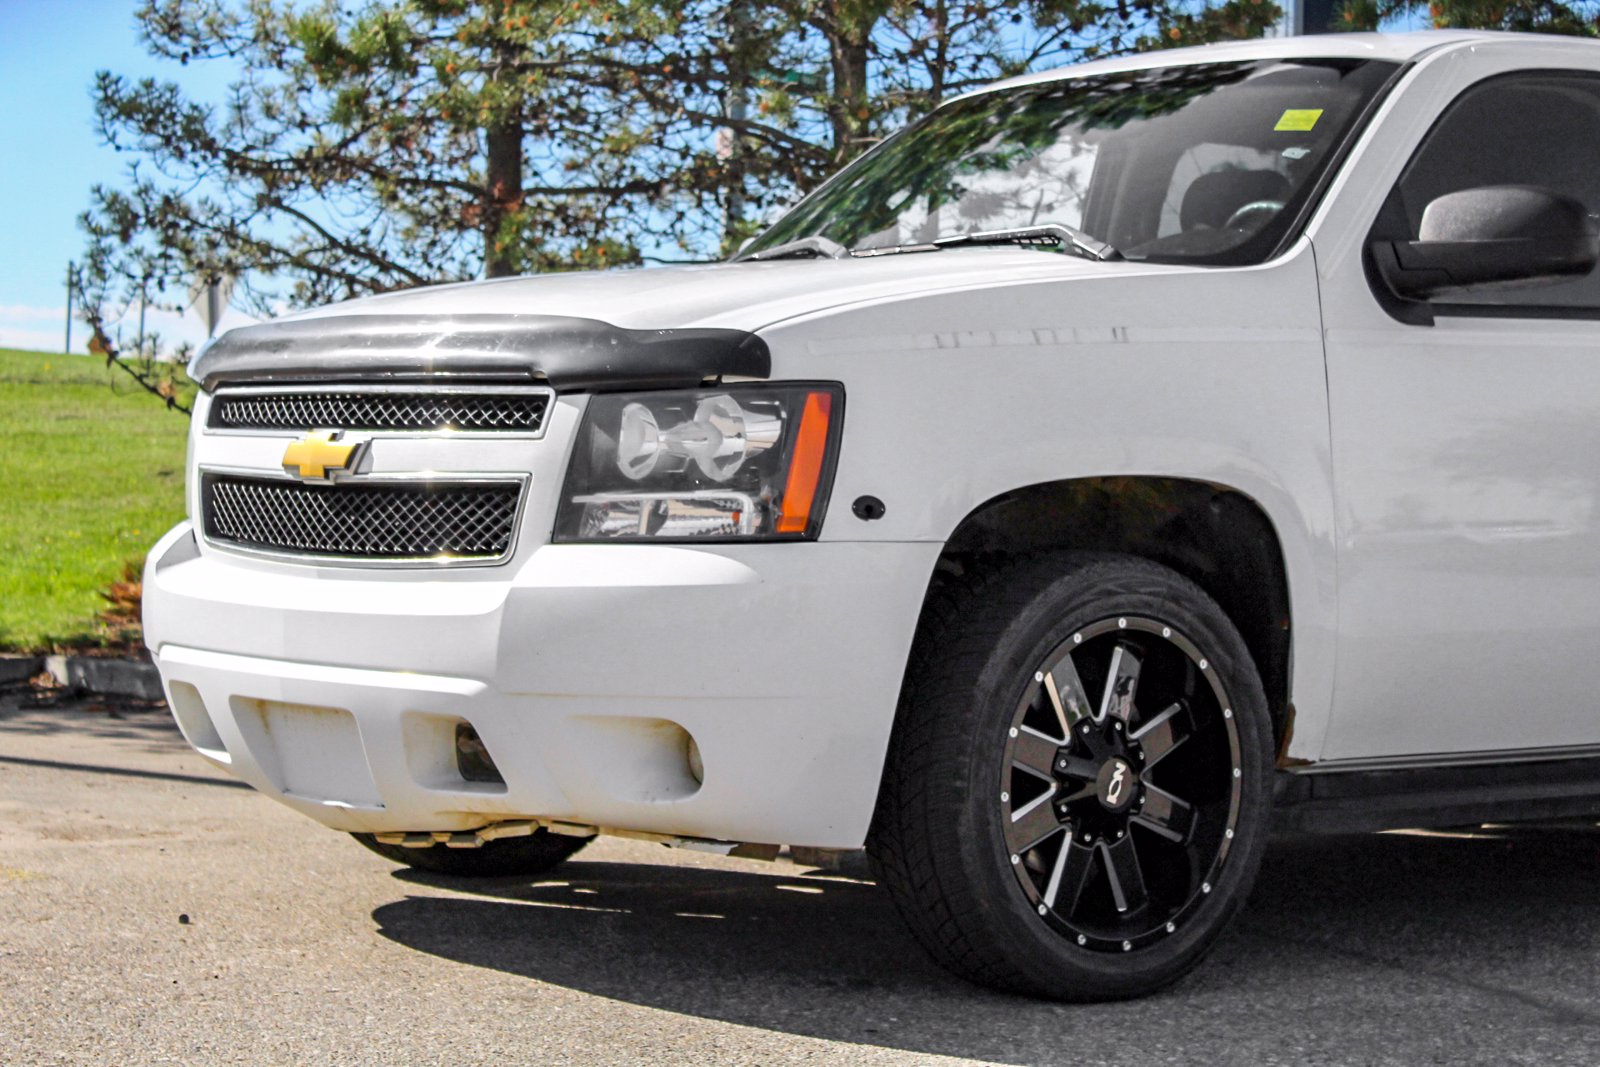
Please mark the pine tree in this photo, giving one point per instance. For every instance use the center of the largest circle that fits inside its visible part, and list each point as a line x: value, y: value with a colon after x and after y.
x: 1522, y: 16
x: 417, y: 141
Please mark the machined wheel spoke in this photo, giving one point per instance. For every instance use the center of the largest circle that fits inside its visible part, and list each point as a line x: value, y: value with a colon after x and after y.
x: 1109, y: 835
x: 1166, y: 815
x: 1083, y: 792
x: 1084, y: 770
x: 1122, y: 870
x: 1030, y: 824
x: 1169, y: 729
x: 1067, y: 876
x: 1035, y: 753
x: 1122, y: 682
x: 1067, y: 697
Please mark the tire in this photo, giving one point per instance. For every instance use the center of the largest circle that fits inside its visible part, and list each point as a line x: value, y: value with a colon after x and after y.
x: 525, y: 856
x: 979, y: 739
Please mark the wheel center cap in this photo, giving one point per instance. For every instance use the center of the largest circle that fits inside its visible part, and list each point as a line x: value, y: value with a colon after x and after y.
x: 1116, y: 784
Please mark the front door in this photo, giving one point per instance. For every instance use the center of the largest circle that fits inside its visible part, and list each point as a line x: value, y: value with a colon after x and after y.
x: 1466, y: 451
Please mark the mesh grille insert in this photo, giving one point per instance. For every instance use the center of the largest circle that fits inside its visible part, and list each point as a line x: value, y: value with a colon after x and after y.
x: 382, y: 410
x: 393, y: 520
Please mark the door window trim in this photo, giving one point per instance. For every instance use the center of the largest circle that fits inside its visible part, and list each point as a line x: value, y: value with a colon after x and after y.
x: 1424, y: 312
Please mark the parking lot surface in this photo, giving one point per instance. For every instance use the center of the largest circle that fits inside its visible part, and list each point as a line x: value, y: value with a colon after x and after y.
x: 152, y: 911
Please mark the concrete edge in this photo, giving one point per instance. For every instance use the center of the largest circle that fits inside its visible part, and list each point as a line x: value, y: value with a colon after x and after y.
x: 17, y: 669
x: 108, y: 677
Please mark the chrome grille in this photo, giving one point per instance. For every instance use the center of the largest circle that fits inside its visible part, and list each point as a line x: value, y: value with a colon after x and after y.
x: 411, y: 520
x: 501, y: 410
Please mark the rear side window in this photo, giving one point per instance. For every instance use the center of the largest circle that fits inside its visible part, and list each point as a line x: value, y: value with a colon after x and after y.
x: 1538, y: 129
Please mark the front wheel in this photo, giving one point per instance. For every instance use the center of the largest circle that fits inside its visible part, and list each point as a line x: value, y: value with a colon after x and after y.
x: 527, y: 856
x: 1077, y: 792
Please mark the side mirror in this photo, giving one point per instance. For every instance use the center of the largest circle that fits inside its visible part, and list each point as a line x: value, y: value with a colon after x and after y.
x: 1494, y: 235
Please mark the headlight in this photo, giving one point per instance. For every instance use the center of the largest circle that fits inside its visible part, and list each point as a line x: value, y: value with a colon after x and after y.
x: 749, y: 462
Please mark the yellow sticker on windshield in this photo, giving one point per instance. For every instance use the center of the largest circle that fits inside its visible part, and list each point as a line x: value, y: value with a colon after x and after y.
x: 1299, y: 121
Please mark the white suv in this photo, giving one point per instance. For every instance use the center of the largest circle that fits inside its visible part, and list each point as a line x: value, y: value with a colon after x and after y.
x: 1116, y: 463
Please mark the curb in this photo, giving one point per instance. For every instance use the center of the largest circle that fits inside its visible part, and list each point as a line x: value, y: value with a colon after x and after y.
x: 109, y: 677
x: 15, y: 669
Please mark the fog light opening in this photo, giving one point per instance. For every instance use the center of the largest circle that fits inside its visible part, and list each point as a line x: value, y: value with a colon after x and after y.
x: 697, y: 767
x: 472, y: 757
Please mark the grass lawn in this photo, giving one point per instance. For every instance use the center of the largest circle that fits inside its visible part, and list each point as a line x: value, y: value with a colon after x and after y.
x: 93, y: 475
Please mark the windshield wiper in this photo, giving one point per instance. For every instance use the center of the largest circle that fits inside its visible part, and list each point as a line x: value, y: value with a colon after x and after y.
x: 816, y: 246
x: 893, y: 250
x: 1051, y: 233
x: 1069, y: 238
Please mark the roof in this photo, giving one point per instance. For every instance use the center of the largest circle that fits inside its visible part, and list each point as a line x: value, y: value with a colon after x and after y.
x: 1389, y: 47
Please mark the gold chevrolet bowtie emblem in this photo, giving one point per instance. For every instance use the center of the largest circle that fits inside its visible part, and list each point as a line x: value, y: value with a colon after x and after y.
x: 322, y: 451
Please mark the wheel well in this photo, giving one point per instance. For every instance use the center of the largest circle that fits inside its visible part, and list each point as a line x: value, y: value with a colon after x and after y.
x: 1215, y: 536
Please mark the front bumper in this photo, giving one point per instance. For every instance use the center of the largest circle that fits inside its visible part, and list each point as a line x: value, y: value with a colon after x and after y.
x: 585, y: 669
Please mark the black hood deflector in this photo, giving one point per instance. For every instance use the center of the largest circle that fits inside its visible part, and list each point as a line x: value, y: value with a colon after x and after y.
x: 568, y: 353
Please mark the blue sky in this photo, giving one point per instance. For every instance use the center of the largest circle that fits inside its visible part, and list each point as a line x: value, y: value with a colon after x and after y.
x: 49, y: 51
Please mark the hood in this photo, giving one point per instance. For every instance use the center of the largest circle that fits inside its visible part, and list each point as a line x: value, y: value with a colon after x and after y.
x: 742, y: 296
x: 607, y: 329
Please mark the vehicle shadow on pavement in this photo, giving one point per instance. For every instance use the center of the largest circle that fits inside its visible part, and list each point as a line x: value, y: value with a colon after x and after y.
x: 1387, y: 948
x: 108, y: 719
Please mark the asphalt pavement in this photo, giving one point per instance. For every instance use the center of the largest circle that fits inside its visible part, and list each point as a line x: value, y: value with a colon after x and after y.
x: 153, y: 911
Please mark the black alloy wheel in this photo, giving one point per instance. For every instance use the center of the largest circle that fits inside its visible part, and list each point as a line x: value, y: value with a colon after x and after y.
x: 1120, y: 812
x: 1078, y: 786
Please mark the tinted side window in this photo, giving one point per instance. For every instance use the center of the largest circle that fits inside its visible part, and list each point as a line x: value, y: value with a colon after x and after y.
x: 1525, y: 129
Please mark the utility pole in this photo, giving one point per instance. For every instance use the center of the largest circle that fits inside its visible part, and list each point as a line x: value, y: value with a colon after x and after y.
x: 67, y: 349
x: 1311, y: 16
x: 208, y: 295
x: 144, y: 299
x: 737, y: 109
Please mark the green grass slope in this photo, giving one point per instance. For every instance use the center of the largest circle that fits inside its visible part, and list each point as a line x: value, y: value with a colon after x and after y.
x: 92, y: 475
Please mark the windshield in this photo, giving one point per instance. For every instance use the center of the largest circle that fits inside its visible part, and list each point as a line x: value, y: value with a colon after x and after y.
x: 1198, y: 164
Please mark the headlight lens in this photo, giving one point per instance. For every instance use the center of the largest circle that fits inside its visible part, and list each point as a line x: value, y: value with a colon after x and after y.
x: 743, y: 463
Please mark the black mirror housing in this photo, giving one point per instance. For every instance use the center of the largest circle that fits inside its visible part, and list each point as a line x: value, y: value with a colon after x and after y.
x: 1490, y: 236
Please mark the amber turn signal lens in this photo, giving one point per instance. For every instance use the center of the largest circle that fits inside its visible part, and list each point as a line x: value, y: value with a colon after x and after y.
x: 805, y: 469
